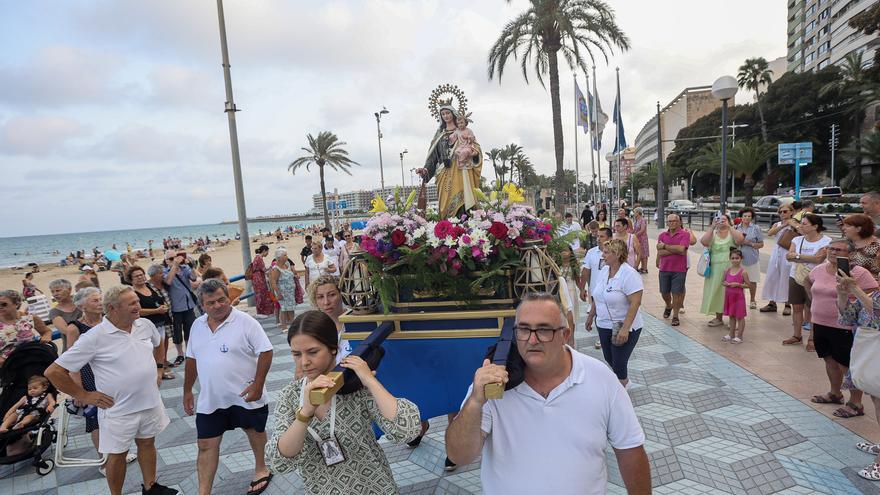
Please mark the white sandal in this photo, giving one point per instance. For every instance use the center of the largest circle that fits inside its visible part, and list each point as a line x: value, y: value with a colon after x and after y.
x: 726, y: 338
x: 715, y: 322
x: 736, y: 340
x: 868, y: 448
x: 871, y: 472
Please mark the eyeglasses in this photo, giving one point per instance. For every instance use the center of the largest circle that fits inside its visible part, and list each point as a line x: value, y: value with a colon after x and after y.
x: 4, y: 305
x: 543, y: 334
x: 838, y: 250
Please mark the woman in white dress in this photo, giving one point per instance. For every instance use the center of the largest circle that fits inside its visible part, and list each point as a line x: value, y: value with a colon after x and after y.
x: 776, y: 285
x: 319, y: 263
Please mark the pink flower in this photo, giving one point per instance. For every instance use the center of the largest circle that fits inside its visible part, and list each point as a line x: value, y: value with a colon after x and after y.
x: 476, y: 252
x: 466, y: 240
x: 443, y: 229
x: 452, y: 253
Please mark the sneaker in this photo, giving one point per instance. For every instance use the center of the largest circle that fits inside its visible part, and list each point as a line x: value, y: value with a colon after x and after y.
x: 129, y: 458
x: 158, y: 489
x: 736, y: 340
x: 449, y: 465
x: 597, y: 344
x: 726, y: 338
x: 807, y: 327
x: 753, y: 305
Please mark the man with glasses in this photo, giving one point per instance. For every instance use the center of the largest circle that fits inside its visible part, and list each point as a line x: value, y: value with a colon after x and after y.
x: 559, y: 419
x: 671, y: 261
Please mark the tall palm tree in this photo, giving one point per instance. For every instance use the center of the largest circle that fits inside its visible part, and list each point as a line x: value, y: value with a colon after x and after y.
x: 324, y: 150
x: 754, y: 74
x: 535, y: 37
x: 743, y: 160
x: 857, y: 92
x: 494, y: 155
x: 510, y: 152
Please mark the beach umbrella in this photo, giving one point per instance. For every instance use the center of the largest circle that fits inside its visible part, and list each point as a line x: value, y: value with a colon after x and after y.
x: 112, y: 255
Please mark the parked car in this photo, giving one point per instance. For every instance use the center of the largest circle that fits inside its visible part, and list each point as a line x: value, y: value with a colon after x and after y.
x: 771, y: 203
x: 681, y: 204
x: 821, y: 192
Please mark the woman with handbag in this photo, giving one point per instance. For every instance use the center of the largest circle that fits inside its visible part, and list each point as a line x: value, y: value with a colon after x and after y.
x: 776, y: 282
x: 719, y: 239
x: 806, y: 251
x: 833, y: 340
x: 862, y: 310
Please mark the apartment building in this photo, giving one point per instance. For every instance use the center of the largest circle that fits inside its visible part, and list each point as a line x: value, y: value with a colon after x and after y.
x: 819, y: 33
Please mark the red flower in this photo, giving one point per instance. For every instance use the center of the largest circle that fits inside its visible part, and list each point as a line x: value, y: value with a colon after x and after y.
x: 443, y: 229
x: 458, y: 231
x: 398, y: 237
x: 498, y: 229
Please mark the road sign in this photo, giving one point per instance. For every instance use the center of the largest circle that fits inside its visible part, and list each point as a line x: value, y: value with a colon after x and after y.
x: 343, y: 204
x: 789, y: 153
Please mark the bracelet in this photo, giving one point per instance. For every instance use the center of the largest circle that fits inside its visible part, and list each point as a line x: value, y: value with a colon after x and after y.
x: 302, y: 417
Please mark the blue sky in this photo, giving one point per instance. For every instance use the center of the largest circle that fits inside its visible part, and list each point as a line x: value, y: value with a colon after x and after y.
x: 111, y: 111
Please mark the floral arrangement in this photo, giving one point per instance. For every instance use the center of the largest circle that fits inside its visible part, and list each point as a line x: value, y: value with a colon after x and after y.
x: 460, y: 258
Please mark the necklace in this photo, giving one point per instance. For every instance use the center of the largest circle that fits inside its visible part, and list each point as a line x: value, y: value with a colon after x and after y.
x: 84, y: 319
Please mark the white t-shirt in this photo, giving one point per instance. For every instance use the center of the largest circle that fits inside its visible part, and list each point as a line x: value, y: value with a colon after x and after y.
x: 593, y: 261
x: 610, y: 299
x: 226, y: 360
x: 318, y: 269
x: 566, y: 229
x: 565, y: 434
x: 123, y: 365
x: 808, y: 248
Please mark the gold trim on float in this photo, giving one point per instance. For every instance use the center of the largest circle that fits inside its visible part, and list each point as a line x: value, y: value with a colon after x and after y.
x: 430, y: 334
x: 379, y: 318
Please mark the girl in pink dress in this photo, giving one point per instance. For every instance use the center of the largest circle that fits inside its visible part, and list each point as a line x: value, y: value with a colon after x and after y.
x: 735, y: 280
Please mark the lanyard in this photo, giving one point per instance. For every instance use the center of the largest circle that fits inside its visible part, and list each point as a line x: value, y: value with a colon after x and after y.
x: 312, y: 432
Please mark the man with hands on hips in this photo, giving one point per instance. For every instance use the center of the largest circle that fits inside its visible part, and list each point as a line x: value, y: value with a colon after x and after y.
x: 230, y: 355
x: 548, y: 434
x: 123, y: 351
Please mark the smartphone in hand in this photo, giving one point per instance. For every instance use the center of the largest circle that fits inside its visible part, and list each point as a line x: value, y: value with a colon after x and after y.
x: 843, y: 266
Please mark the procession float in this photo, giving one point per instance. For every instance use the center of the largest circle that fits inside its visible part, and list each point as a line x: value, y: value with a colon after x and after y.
x: 432, y: 293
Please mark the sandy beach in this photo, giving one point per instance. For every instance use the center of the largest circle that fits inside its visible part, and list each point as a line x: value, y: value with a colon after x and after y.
x: 227, y: 257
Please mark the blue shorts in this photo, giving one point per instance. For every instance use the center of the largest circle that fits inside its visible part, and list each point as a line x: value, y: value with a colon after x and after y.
x: 222, y: 420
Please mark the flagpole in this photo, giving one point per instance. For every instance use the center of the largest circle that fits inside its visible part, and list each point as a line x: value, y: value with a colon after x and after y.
x: 590, y: 124
x: 577, y: 175
x: 599, y: 185
x: 617, y: 139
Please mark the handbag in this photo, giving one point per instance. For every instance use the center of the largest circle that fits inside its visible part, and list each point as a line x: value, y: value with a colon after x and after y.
x: 801, y: 270
x: 863, y: 363
x: 785, y: 241
x: 704, y: 264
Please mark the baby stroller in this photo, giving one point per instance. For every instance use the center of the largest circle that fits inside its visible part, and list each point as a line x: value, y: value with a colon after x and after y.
x: 26, y: 360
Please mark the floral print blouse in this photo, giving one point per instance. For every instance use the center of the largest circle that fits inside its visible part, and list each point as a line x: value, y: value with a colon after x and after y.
x: 856, y: 314
x: 365, y: 470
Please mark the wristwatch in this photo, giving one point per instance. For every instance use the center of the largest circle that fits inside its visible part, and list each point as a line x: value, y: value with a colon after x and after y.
x: 798, y: 256
x: 302, y: 417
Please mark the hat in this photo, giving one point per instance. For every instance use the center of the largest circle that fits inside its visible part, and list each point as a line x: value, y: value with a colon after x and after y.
x: 87, y: 268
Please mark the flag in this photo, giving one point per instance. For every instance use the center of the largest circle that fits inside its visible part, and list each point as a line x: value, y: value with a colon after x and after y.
x: 583, y: 116
x: 598, y: 119
x: 620, y: 141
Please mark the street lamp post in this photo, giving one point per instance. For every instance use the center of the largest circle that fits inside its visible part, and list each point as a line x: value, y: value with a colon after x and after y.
x: 230, y: 110
x: 379, y: 115
x: 661, y: 197
x: 402, y: 180
x: 724, y: 88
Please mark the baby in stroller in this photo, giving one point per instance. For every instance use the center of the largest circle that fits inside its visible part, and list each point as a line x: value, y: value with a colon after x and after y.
x: 32, y: 407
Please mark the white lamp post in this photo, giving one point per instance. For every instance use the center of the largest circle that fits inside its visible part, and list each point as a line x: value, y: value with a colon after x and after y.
x: 379, y: 115
x: 724, y: 88
x: 402, y: 181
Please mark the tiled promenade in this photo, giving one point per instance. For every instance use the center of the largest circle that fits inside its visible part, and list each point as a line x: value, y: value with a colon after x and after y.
x: 712, y: 428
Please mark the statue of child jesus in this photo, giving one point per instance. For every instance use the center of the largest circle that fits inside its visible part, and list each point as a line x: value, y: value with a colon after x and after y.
x: 462, y: 140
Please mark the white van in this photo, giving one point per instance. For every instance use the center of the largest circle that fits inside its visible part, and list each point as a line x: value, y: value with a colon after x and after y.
x: 820, y: 192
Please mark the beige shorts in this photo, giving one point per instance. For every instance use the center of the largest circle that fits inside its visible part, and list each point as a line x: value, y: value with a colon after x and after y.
x: 117, y: 433
x: 754, y: 272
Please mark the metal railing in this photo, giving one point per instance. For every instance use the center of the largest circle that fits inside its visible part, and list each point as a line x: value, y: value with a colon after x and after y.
x: 701, y: 219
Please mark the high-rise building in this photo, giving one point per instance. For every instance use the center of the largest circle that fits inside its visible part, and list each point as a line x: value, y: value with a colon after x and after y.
x: 361, y: 200
x: 819, y: 33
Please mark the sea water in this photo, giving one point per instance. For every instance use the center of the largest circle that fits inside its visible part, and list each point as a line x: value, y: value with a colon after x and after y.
x: 19, y: 251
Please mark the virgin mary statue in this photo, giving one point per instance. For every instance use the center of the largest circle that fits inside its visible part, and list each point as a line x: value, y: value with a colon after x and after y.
x: 455, y: 168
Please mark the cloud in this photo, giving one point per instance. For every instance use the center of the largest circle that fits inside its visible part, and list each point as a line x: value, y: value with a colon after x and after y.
x: 140, y: 143
x: 39, y: 135
x: 60, y: 75
x: 176, y: 86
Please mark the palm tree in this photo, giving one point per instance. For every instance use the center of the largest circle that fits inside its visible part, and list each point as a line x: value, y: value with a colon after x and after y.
x: 494, y: 155
x: 520, y: 163
x: 326, y: 149
x: 857, y: 92
x: 639, y: 179
x: 754, y: 74
x: 510, y: 153
x: 743, y: 160
x: 536, y: 36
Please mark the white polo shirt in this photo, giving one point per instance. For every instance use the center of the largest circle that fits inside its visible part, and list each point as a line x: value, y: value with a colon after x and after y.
x: 610, y: 296
x: 226, y: 360
x: 122, y: 362
x: 594, y: 262
x: 563, y: 436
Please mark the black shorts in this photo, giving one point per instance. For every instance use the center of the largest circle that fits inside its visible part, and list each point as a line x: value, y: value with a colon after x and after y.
x: 834, y: 342
x: 222, y: 420
x: 182, y: 321
x: 672, y: 282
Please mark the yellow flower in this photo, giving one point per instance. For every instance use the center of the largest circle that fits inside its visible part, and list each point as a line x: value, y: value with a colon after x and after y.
x: 378, y: 205
x: 493, y: 196
x: 514, y: 194
x: 480, y: 194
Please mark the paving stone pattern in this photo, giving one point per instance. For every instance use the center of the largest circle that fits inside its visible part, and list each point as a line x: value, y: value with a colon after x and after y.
x: 711, y: 427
